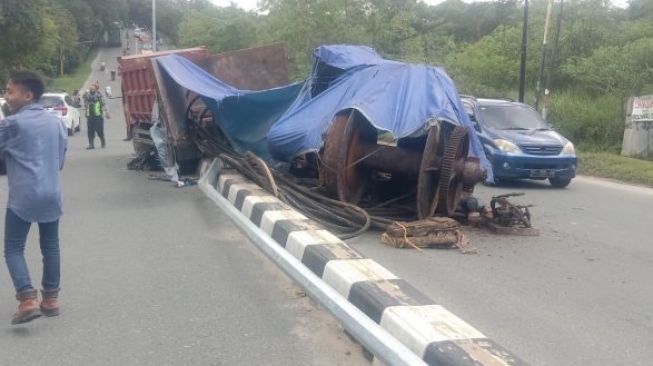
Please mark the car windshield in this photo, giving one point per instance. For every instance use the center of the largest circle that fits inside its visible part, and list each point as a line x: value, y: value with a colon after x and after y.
x: 512, y: 117
x: 49, y: 101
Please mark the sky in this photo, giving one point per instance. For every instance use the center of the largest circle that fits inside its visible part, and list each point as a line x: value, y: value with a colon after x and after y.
x: 251, y: 4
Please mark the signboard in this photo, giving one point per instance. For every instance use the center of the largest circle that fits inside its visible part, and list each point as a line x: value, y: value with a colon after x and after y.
x: 642, y: 108
x: 638, y: 130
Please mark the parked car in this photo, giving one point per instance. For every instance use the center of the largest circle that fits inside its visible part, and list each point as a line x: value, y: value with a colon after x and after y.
x: 519, y: 143
x: 63, y: 106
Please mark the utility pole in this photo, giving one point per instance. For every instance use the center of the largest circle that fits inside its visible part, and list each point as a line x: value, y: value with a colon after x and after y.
x: 549, y: 79
x: 61, y: 58
x: 522, y: 68
x: 154, y: 25
x: 540, y: 78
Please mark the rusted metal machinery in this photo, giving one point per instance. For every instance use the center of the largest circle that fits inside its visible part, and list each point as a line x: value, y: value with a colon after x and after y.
x: 439, y: 163
x: 509, y: 218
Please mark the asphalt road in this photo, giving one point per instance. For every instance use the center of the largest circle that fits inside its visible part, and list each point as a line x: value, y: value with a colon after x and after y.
x: 579, y: 294
x: 156, y: 275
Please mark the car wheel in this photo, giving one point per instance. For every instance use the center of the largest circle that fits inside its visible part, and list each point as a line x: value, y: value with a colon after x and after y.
x: 70, y: 132
x: 560, y: 182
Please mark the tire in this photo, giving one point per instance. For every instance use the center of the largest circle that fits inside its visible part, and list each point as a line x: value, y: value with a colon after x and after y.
x: 70, y: 132
x: 79, y: 126
x: 559, y: 182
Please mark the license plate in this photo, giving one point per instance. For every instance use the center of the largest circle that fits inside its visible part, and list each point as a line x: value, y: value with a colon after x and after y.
x: 542, y: 173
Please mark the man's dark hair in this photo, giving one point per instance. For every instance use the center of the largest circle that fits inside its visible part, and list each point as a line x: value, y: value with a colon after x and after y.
x: 29, y: 80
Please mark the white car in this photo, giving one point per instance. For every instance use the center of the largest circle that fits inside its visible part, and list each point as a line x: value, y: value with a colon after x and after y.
x: 62, y: 105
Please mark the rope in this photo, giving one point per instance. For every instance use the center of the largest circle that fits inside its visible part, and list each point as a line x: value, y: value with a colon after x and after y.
x: 346, y: 219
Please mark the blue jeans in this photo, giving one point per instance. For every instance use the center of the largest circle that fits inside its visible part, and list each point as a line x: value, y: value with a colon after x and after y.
x: 16, y: 230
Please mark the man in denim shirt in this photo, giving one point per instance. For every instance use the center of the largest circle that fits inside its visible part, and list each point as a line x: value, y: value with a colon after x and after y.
x: 33, y: 143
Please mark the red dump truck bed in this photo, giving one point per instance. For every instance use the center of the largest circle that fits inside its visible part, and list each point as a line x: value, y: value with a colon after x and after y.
x: 138, y: 87
x: 254, y: 68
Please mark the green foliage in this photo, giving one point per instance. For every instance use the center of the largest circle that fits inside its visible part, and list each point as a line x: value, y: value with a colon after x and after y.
x: 50, y: 34
x: 612, y: 165
x: 220, y: 29
x: 169, y: 14
x: 22, y: 31
x: 623, y: 70
x: 604, y: 53
x: 74, y: 80
x: 306, y: 24
x: 591, y: 122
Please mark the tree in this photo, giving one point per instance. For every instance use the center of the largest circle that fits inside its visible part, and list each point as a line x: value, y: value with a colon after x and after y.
x: 622, y: 70
x: 22, y: 31
x: 220, y: 29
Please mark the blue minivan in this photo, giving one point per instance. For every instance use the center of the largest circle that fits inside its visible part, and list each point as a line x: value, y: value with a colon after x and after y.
x: 519, y: 143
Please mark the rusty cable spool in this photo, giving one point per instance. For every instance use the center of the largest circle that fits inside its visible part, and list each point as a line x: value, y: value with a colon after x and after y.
x: 428, y: 192
x: 450, y: 184
x: 344, y: 148
x: 443, y: 171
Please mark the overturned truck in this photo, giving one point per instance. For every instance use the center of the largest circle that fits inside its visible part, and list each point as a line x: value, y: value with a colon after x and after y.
x: 387, y: 136
x: 256, y: 68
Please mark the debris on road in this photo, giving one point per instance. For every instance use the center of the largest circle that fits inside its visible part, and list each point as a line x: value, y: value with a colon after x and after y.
x: 351, y: 147
x: 146, y: 160
x: 432, y: 232
x: 510, y: 219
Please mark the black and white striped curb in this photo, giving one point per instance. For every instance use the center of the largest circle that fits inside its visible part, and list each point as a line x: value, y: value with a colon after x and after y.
x: 428, y: 329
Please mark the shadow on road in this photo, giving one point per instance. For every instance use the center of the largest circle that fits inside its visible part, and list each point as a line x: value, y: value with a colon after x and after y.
x: 525, y: 184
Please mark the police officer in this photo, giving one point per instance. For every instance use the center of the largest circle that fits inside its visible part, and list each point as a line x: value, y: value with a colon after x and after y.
x: 96, y: 111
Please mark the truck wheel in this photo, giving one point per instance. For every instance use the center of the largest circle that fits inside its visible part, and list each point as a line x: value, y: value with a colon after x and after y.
x: 559, y: 182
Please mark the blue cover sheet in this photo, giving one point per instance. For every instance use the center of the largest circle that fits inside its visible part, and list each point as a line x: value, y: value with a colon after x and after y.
x: 244, y: 116
x: 393, y: 96
x: 285, y: 122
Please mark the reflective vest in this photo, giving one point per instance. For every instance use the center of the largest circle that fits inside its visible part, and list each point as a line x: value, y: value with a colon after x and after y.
x: 95, y: 106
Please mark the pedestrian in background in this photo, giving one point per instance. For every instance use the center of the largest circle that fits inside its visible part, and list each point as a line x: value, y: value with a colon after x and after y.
x: 96, y: 111
x: 77, y: 99
x: 33, y: 143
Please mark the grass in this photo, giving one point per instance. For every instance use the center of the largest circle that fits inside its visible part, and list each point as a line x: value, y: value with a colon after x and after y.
x: 609, y: 165
x: 75, y: 80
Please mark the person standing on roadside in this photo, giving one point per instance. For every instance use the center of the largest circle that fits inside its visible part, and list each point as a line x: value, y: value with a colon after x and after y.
x: 33, y: 143
x: 95, y: 113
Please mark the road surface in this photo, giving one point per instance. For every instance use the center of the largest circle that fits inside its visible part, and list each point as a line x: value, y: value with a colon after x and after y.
x: 156, y: 275
x: 579, y: 294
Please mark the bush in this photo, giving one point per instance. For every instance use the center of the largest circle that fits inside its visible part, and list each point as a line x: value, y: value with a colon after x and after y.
x: 594, y: 123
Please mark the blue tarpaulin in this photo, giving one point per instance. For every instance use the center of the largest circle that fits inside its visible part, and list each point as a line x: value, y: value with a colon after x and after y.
x: 244, y: 116
x: 393, y: 96
x: 285, y: 122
